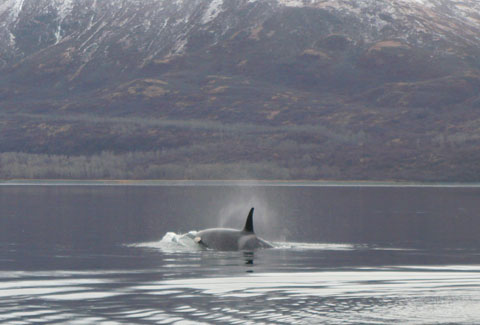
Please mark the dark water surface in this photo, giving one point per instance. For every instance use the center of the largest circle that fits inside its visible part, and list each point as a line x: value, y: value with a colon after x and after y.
x: 86, y: 253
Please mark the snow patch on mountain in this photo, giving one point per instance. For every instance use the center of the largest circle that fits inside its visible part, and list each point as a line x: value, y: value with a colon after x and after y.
x: 12, y: 7
x: 292, y: 3
x: 64, y: 8
x: 213, y: 10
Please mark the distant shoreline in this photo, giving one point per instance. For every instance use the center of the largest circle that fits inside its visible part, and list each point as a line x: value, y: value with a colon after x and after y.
x: 246, y: 183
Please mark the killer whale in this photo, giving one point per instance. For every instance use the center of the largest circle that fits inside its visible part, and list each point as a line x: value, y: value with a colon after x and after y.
x: 226, y: 239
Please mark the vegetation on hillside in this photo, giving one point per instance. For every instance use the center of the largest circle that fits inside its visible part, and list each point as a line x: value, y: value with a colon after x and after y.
x: 89, y: 147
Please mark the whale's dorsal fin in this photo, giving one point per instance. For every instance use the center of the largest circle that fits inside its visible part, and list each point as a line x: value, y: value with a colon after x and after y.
x: 249, y: 223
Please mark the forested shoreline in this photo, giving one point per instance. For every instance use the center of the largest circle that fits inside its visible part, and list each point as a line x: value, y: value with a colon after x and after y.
x: 71, y: 146
x: 153, y: 166
x: 144, y: 165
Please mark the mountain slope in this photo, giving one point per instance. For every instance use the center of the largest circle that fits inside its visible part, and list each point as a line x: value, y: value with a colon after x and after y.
x: 327, y: 88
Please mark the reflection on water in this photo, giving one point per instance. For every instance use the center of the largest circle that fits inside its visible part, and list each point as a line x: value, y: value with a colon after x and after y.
x: 292, y: 283
x: 413, y: 294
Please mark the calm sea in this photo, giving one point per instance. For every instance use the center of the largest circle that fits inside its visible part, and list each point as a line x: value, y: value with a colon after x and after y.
x: 114, y: 253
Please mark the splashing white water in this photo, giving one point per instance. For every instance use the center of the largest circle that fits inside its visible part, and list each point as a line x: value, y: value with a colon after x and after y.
x: 172, y: 242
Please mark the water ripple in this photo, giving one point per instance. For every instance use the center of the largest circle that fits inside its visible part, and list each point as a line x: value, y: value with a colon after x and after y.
x: 369, y: 295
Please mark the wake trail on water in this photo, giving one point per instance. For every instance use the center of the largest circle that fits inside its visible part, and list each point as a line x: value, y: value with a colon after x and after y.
x: 173, y: 242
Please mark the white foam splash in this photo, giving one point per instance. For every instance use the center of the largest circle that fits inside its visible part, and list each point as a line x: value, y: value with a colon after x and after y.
x: 314, y: 246
x: 172, y: 242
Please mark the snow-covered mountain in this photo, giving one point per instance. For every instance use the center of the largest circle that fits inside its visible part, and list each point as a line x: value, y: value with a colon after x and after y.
x: 160, y: 27
x: 155, y: 29
x: 56, y: 46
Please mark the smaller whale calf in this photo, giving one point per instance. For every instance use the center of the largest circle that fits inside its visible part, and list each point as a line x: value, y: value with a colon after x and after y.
x: 225, y: 239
